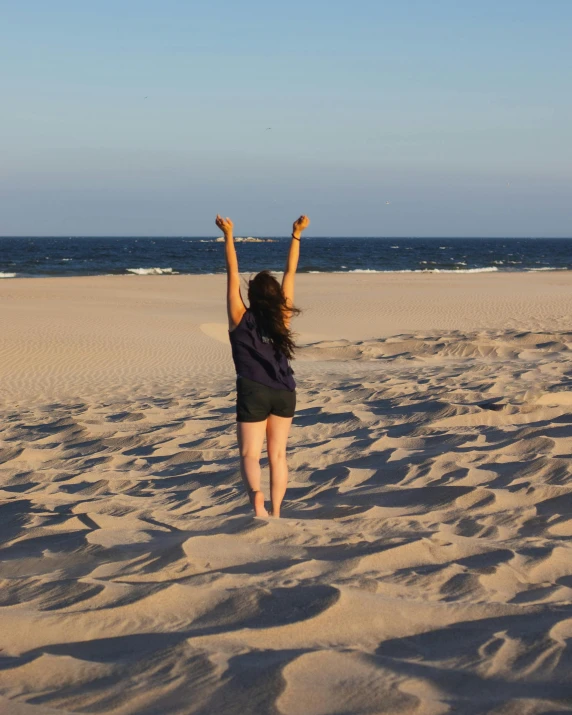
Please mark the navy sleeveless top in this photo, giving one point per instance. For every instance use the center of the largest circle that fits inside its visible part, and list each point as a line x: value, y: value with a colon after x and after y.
x: 256, y: 359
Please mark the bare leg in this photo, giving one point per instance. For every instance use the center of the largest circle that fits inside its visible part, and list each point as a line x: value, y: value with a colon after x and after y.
x: 277, y: 430
x: 250, y: 440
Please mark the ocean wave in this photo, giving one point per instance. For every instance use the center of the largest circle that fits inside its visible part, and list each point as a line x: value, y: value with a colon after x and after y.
x: 151, y: 271
x: 488, y: 269
x: 248, y: 239
x: 7, y: 275
x: 548, y: 268
x: 363, y: 270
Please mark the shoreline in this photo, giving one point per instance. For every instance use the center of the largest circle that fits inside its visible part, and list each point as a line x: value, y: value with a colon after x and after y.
x: 169, y: 272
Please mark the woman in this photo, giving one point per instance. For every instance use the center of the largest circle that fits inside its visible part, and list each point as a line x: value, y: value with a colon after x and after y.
x: 262, y: 347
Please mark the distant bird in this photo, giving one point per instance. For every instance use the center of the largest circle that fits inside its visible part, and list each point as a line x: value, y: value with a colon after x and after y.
x: 144, y: 97
x: 387, y: 203
x: 268, y: 129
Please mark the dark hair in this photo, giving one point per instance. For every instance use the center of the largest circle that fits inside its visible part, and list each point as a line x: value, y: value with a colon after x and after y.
x: 270, y: 308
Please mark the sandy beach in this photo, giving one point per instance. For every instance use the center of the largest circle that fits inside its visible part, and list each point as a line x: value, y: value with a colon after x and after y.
x: 423, y: 563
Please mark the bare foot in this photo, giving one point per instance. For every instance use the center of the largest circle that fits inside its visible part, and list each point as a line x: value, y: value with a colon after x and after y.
x: 257, y: 501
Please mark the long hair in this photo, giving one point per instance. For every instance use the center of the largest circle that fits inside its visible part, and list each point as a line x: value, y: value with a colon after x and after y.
x: 270, y: 308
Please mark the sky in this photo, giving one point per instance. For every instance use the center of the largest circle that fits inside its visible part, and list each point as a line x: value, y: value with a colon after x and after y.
x: 373, y: 117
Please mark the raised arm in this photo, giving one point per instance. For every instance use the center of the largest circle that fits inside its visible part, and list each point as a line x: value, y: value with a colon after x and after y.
x: 292, y: 260
x: 234, y: 304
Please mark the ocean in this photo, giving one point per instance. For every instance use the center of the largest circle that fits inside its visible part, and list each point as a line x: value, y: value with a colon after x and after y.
x: 88, y: 256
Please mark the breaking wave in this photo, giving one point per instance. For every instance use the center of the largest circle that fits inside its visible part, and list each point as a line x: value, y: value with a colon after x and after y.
x: 152, y: 271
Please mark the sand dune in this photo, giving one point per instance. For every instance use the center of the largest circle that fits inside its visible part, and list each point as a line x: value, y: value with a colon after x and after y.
x: 423, y: 564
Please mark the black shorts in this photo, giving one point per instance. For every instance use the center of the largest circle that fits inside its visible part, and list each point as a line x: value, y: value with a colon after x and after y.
x: 255, y: 402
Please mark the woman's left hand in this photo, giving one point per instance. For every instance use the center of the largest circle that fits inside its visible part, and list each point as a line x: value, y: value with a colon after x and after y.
x: 225, y: 224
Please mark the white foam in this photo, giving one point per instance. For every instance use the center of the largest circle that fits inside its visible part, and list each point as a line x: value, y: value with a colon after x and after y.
x: 549, y: 268
x: 151, y: 271
x: 240, y: 239
x: 363, y: 270
x: 489, y: 269
x: 7, y: 275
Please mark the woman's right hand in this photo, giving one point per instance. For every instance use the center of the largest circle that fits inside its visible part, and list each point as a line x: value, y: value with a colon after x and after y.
x: 225, y: 224
x: 299, y: 225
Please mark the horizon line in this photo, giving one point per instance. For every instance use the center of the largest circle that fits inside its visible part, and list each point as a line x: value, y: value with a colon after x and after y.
x: 203, y: 236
